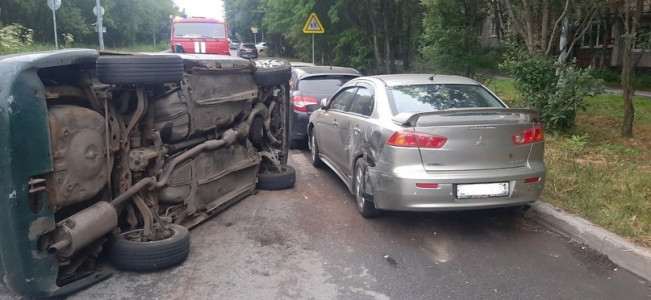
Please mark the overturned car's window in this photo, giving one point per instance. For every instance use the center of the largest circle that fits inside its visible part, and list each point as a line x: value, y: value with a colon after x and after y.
x: 195, y: 30
x: 431, y: 97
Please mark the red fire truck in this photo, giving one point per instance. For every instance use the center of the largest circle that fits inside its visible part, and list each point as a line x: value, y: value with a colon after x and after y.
x: 199, y: 35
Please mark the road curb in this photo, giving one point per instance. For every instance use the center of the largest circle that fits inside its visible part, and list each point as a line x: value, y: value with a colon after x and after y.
x: 627, y: 255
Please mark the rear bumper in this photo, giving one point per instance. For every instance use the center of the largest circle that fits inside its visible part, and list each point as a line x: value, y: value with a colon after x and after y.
x: 298, y: 126
x: 398, y: 191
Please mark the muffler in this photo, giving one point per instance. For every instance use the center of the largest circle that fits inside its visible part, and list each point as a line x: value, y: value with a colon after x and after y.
x: 84, y: 227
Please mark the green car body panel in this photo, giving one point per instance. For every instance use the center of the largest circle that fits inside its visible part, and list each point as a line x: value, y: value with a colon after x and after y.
x: 24, y: 154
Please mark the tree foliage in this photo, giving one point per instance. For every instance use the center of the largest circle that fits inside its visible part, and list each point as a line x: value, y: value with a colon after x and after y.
x: 126, y: 21
x: 449, y: 40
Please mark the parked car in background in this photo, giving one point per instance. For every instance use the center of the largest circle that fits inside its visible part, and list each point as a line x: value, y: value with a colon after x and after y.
x: 424, y: 142
x: 307, y: 86
x: 113, y: 157
x: 261, y: 46
x: 247, y: 50
x: 234, y: 44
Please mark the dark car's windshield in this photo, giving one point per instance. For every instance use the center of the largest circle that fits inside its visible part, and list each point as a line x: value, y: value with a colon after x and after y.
x: 420, y: 98
x: 196, y: 30
x: 322, y: 84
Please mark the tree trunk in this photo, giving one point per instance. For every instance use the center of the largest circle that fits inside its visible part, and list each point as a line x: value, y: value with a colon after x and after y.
x: 627, y: 65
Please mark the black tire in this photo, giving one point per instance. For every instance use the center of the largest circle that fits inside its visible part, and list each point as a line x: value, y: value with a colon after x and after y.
x: 365, y: 206
x: 139, y: 69
x: 271, y: 71
x: 314, y: 150
x: 277, y: 181
x: 150, y: 256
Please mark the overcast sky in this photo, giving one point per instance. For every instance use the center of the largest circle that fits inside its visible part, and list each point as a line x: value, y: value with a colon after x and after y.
x: 202, y: 8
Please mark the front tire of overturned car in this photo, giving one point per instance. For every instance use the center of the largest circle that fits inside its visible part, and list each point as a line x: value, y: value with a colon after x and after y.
x: 271, y: 71
x: 277, y: 181
x: 150, y: 256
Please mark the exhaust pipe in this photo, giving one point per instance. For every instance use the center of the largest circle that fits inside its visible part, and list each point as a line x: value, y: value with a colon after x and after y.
x: 84, y: 227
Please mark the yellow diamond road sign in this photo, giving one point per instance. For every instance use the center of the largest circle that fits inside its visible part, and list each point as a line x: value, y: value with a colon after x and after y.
x: 313, y: 25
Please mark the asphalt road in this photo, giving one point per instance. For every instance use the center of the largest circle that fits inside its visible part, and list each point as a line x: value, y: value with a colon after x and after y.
x: 309, y: 242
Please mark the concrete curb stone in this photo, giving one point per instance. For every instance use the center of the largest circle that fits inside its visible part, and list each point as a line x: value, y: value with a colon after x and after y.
x: 636, y: 259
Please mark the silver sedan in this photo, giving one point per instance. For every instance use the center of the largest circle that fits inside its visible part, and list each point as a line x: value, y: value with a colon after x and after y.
x: 419, y: 142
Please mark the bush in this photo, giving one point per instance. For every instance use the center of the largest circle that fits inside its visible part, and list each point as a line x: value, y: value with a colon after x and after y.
x: 557, y: 91
x: 14, y: 37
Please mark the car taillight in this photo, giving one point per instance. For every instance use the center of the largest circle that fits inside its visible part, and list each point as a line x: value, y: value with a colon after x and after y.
x: 532, y: 180
x: 416, y: 139
x: 300, y: 103
x: 535, y: 134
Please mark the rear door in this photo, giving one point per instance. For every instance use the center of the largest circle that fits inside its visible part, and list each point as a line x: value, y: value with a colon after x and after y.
x: 358, y: 119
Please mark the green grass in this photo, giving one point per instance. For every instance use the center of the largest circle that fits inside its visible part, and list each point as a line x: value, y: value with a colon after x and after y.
x: 595, y: 173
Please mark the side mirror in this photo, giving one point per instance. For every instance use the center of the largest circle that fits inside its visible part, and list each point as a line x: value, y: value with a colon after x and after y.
x: 324, y: 103
x: 178, y: 49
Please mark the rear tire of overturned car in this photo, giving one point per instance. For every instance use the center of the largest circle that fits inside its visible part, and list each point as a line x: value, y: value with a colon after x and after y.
x: 271, y: 71
x: 150, y: 256
x: 139, y: 69
x: 366, y: 207
x: 278, y: 181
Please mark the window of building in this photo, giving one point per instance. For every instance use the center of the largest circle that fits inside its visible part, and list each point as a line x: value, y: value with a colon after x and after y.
x: 593, y: 37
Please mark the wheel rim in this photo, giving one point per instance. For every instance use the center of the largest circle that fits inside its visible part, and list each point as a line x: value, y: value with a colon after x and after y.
x: 268, y: 63
x: 358, y: 189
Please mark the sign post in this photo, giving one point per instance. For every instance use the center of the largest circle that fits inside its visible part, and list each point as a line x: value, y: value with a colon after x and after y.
x: 54, y: 5
x: 98, y: 10
x: 313, y: 25
x: 254, y: 30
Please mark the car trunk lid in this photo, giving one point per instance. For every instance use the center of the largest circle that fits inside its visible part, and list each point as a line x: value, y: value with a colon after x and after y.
x: 477, y: 139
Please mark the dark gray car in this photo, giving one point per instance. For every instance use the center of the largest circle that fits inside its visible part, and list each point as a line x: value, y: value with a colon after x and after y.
x: 308, y: 85
x: 421, y: 142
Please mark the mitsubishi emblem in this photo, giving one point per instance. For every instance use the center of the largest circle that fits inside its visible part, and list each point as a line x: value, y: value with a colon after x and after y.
x: 480, y: 142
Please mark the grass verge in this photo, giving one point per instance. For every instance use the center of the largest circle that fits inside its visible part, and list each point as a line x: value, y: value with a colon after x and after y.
x: 595, y: 173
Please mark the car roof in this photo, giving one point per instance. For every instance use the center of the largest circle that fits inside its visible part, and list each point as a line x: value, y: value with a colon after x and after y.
x: 301, y: 64
x: 413, y: 79
x: 304, y: 72
x: 247, y: 44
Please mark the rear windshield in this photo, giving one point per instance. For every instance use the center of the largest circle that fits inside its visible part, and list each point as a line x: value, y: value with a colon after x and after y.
x: 200, y: 30
x: 322, y: 84
x: 431, y: 97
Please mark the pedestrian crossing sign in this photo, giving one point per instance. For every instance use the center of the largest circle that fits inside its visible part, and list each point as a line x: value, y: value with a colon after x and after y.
x: 313, y: 25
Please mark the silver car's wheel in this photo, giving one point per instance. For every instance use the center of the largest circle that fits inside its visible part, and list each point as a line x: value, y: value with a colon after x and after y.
x: 314, y: 150
x: 366, y: 207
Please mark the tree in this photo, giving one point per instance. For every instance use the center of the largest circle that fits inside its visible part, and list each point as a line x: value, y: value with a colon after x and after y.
x: 630, y: 15
x: 538, y: 23
x: 449, y: 41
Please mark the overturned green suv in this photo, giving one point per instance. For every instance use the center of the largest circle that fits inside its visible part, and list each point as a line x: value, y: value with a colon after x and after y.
x: 110, y: 157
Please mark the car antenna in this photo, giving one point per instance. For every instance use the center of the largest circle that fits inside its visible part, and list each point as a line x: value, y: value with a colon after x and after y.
x: 432, y: 78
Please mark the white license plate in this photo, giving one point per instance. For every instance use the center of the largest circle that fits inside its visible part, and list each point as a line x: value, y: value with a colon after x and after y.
x: 482, y: 190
